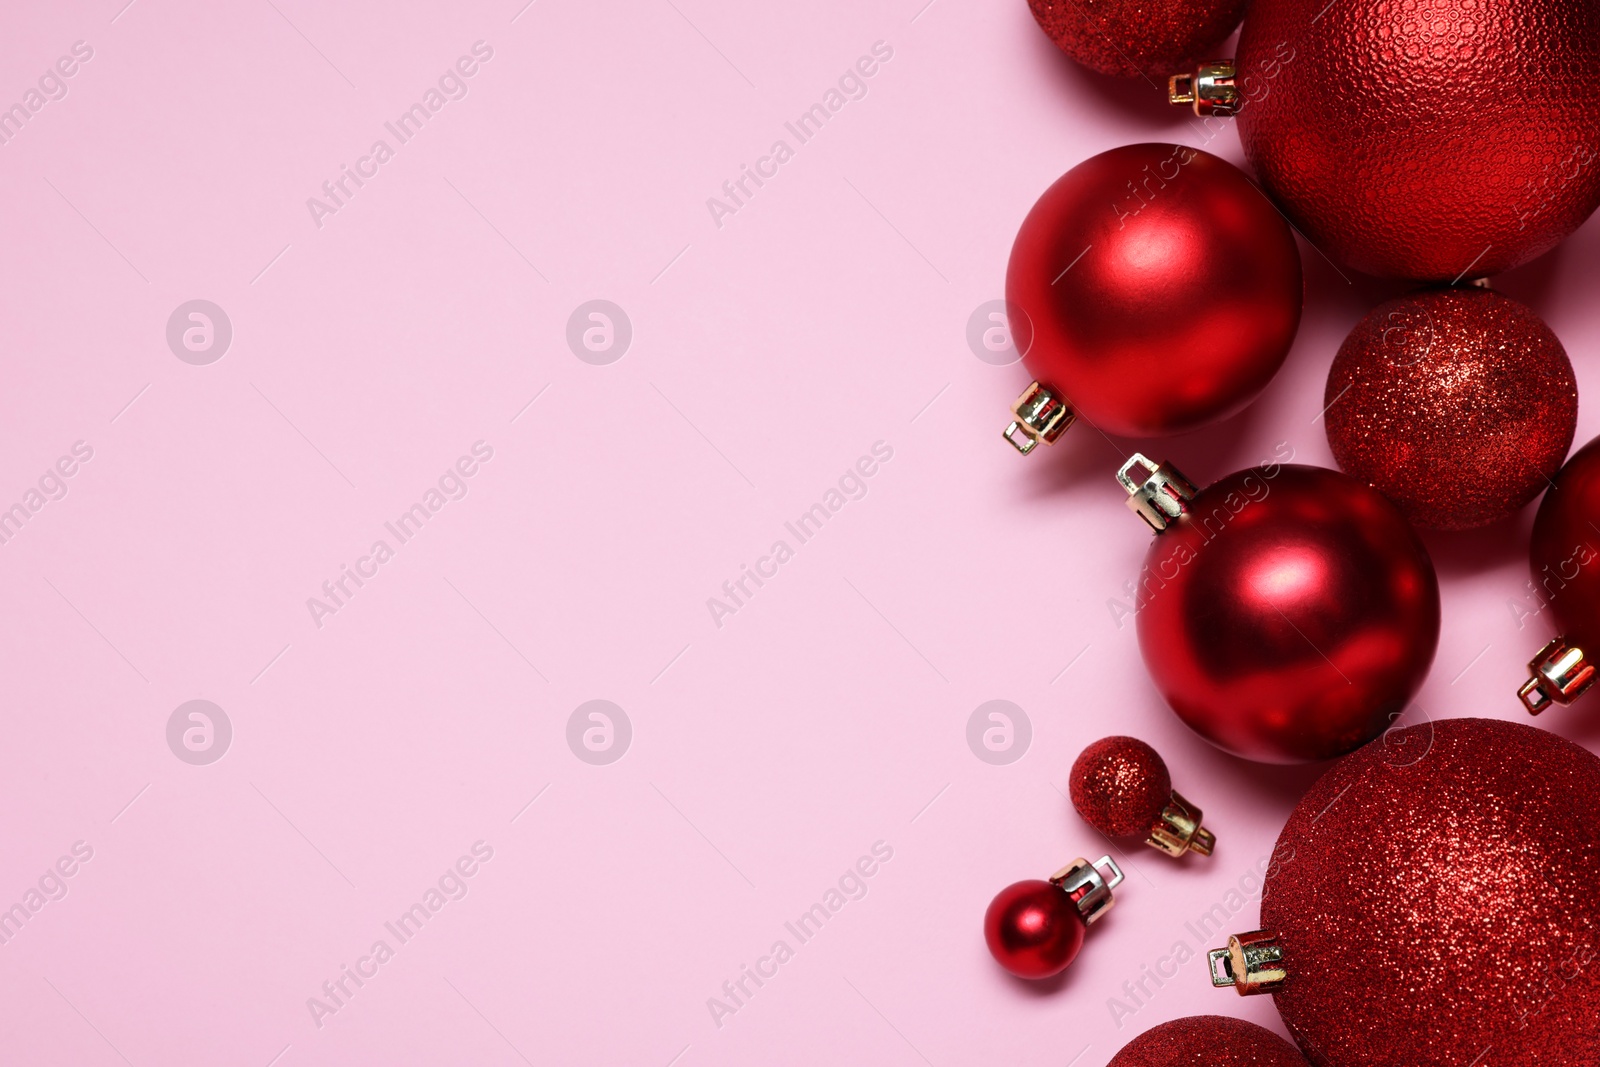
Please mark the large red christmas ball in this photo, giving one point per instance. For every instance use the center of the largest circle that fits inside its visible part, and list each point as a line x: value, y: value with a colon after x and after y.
x: 1130, y: 38
x: 1161, y: 289
x: 1427, y: 139
x: 1208, y: 1041
x: 1288, y: 613
x: 1457, y: 404
x: 1033, y: 929
x: 1564, y: 555
x: 1434, y: 900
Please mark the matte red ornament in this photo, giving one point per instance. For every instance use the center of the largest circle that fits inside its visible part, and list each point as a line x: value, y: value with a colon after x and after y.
x: 1035, y: 928
x: 1130, y: 38
x: 1426, y: 139
x: 1152, y: 289
x: 1432, y: 900
x: 1564, y: 555
x: 1457, y: 404
x: 1121, y: 787
x: 1208, y: 1041
x: 1286, y: 613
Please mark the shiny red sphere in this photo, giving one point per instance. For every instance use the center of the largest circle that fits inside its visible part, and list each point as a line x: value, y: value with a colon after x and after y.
x: 1289, y: 615
x: 1119, y: 785
x: 1564, y: 553
x: 1161, y: 290
x: 1129, y: 38
x: 1425, y: 139
x: 1457, y: 404
x: 1208, y: 1041
x: 1033, y: 929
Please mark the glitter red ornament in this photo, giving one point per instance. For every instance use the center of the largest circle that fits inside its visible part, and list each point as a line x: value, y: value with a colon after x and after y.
x: 1158, y: 291
x: 1564, y: 555
x: 1121, y: 787
x: 1286, y: 613
x: 1432, y: 900
x: 1425, y: 139
x: 1130, y: 38
x: 1035, y: 928
x: 1211, y: 1040
x: 1457, y: 404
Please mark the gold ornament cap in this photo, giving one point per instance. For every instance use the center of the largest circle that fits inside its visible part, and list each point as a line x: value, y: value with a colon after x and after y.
x: 1041, y: 415
x: 1252, y: 963
x: 1561, y: 673
x: 1177, y: 829
x: 1089, y: 889
x: 1161, y: 497
x: 1209, y: 89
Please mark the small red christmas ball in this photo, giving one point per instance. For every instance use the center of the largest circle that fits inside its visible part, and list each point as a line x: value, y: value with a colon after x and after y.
x: 1286, y: 613
x: 1033, y: 929
x: 1426, y: 138
x: 1457, y: 404
x: 1162, y: 290
x: 1130, y: 38
x: 1564, y: 555
x: 1432, y: 900
x: 1119, y: 786
x: 1208, y: 1041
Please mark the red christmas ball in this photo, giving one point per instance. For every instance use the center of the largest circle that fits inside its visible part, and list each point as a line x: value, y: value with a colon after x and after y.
x: 1425, y: 138
x: 1564, y: 555
x: 1286, y: 613
x: 1432, y: 900
x: 1131, y: 38
x: 1457, y: 404
x: 1119, y: 786
x: 1208, y: 1041
x: 1033, y: 929
x: 1158, y: 289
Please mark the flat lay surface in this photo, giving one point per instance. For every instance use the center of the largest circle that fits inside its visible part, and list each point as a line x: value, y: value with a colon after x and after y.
x: 521, y: 485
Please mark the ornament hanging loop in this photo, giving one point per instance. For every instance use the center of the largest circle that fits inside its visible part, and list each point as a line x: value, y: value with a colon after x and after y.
x: 1161, y: 497
x: 1210, y: 89
x: 1252, y: 963
x: 1177, y: 829
x: 1041, y: 415
x: 1089, y: 889
x: 1561, y: 674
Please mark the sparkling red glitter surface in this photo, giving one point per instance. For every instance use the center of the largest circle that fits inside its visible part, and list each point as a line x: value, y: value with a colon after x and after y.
x: 1456, y: 404
x: 1156, y: 38
x: 1208, y: 1041
x: 1119, y: 785
x: 1425, y: 138
x: 1437, y: 896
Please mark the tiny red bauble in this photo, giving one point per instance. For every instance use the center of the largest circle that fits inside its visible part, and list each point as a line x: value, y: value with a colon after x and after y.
x: 1286, y: 613
x: 1424, y: 139
x: 1121, y: 787
x: 1208, y: 1041
x: 1155, y: 290
x: 1564, y: 555
x: 1432, y: 901
x: 1035, y: 928
x: 1457, y: 404
x: 1130, y: 38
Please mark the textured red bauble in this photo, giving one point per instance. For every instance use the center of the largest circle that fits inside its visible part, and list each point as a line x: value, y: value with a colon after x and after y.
x: 1425, y: 139
x: 1208, y: 1041
x: 1433, y: 900
x: 1158, y: 290
x: 1121, y: 787
x: 1564, y: 555
x: 1457, y: 404
x: 1033, y: 929
x: 1130, y: 38
x: 1286, y: 613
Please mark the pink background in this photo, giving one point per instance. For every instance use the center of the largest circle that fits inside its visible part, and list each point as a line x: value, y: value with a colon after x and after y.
x: 767, y: 754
